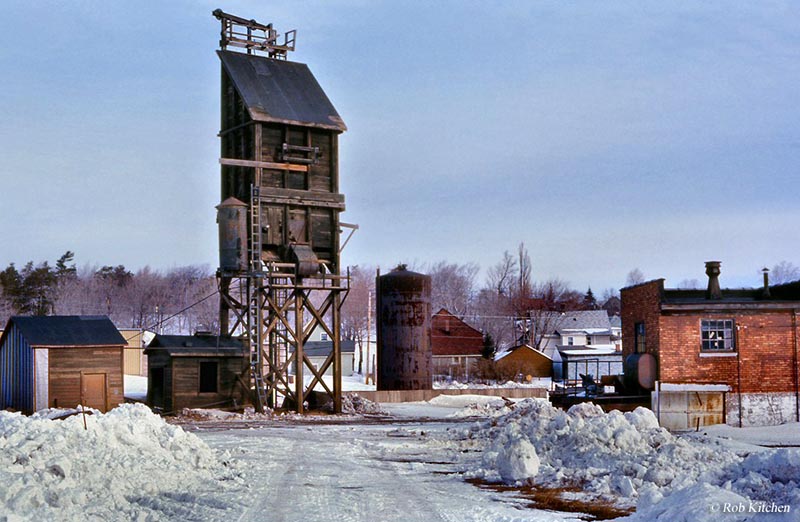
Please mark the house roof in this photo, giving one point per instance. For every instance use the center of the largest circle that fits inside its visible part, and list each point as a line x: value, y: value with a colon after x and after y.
x: 587, y: 331
x: 501, y: 355
x: 593, y: 350
x: 280, y: 91
x: 452, y: 336
x: 588, y: 321
x: 197, y: 346
x: 67, y: 330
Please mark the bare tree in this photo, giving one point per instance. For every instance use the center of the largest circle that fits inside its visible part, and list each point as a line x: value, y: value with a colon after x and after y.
x: 524, y: 285
x: 452, y: 286
x: 500, y: 277
x: 611, y: 302
x: 689, y: 284
x: 356, y: 309
x: 634, y: 277
x: 784, y: 272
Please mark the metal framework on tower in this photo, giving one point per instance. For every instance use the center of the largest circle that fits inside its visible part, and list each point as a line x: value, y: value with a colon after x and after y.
x: 280, y: 278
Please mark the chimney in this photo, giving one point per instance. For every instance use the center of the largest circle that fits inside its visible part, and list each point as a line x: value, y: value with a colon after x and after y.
x: 712, y: 271
x: 765, y: 291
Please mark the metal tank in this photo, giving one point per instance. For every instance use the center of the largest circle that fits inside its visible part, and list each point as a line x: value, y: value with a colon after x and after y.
x: 640, y: 370
x: 232, y: 220
x: 404, y: 331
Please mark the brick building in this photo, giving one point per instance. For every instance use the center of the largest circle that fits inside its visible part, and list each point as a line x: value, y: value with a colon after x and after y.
x: 722, y: 355
x: 456, y: 346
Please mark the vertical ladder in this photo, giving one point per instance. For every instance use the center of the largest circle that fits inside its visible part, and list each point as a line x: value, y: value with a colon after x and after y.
x: 255, y: 228
x: 254, y: 305
x: 279, y: 336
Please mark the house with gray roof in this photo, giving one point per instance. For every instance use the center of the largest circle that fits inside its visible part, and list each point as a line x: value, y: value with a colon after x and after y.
x: 578, y: 342
x: 60, y: 362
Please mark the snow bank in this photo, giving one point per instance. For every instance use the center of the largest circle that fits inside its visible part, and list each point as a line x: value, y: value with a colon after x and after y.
x: 626, y: 458
x: 353, y: 404
x: 122, y: 467
x: 537, y: 382
x: 474, y: 405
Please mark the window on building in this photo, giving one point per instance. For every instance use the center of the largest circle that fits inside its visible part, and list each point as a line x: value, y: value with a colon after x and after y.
x: 717, y: 335
x: 588, y: 340
x: 570, y: 341
x: 639, y: 338
x: 208, y: 377
x: 323, y: 336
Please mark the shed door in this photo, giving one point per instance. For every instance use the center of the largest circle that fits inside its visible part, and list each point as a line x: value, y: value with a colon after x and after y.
x: 93, y: 390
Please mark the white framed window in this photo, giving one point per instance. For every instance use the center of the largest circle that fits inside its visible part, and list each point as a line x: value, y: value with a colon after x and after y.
x: 717, y: 335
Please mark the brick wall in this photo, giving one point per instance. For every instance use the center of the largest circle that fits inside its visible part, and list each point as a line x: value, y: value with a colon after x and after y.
x: 641, y: 303
x: 764, y: 360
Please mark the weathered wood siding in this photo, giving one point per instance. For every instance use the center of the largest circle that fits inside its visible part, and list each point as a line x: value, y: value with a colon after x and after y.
x: 302, y: 221
x: 68, y: 363
x: 182, y: 383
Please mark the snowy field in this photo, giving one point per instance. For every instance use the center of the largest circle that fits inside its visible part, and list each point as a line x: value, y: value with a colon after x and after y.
x: 457, y: 458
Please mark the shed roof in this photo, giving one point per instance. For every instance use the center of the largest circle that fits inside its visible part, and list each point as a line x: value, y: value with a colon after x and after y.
x: 522, y: 348
x: 67, y: 330
x: 280, y: 91
x: 197, y: 346
x: 750, y: 298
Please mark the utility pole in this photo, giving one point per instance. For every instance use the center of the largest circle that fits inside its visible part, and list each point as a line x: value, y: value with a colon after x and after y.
x: 369, y: 331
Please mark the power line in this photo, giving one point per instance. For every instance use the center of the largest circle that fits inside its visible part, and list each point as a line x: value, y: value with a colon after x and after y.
x: 179, y: 312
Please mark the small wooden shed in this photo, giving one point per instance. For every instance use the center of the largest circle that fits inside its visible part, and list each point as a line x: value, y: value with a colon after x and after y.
x: 197, y: 371
x: 524, y: 360
x: 60, y: 361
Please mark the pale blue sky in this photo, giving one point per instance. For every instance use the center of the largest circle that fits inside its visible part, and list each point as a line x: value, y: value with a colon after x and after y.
x: 605, y: 135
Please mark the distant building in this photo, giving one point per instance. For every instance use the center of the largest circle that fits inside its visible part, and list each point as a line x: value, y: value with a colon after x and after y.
x: 523, y: 361
x: 318, y: 351
x: 135, y: 362
x: 60, y: 362
x: 456, y: 346
x: 722, y: 355
x: 577, y: 342
x: 197, y: 371
x: 616, y: 331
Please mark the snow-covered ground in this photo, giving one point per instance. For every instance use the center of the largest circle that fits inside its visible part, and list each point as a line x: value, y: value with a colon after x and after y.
x: 127, y: 464
x: 413, y: 465
x: 629, y: 461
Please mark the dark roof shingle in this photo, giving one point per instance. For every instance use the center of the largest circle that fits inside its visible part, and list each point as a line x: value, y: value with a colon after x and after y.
x: 68, y: 330
x: 280, y: 91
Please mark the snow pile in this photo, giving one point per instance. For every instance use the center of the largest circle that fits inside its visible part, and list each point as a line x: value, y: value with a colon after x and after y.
x: 516, y: 457
x: 210, y: 414
x: 353, y: 404
x: 627, y: 458
x: 537, y: 382
x: 128, y: 464
x: 474, y: 405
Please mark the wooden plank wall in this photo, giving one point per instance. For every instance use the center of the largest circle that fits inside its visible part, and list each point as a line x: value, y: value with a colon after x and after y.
x: 186, y: 383
x: 66, y: 365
